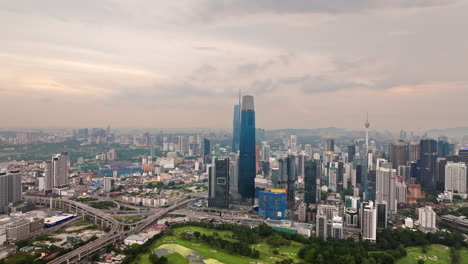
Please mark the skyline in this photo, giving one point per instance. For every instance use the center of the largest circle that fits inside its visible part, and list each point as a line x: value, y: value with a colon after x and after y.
x: 180, y: 65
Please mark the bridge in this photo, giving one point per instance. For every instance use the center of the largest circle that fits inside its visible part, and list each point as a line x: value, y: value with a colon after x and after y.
x: 116, y: 233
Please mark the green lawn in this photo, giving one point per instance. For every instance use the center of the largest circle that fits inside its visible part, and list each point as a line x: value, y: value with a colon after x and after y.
x: 436, y: 254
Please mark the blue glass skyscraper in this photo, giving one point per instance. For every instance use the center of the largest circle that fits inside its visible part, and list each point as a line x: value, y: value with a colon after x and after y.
x: 247, y: 149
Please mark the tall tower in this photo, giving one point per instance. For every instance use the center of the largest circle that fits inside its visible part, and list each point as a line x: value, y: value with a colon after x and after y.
x: 236, y: 126
x: 367, y: 125
x: 247, y: 149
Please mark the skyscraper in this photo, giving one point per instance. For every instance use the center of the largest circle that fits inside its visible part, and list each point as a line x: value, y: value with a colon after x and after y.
x: 219, y: 183
x: 247, y: 149
x: 351, y: 152
x: 330, y: 144
x: 292, y: 177
x: 206, y: 151
x: 385, y: 191
x: 369, y: 221
x: 427, y: 218
x: 455, y: 177
x: 10, y: 189
x: 427, y: 164
x: 382, y: 214
x: 310, y: 182
x: 236, y: 127
x: 293, y: 139
x: 59, y: 170
x: 399, y: 153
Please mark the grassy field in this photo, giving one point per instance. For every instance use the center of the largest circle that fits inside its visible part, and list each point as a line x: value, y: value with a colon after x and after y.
x: 435, y: 254
x: 215, y: 256
x: 176, y: 258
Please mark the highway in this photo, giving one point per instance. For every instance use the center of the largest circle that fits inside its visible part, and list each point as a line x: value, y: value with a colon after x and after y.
x: 115, y: 235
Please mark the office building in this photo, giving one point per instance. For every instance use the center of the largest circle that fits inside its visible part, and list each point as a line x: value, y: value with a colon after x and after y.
x: 401, y: 190
x: 236, y: 127
x: 219, y: 183
x: 399, y: 153
x: 56, y: 171
x: 385, y: 188
x: 330, y: 144
x: 293, y: 144
x: 427, y: 218
x: 109, y: 184
x: 310, y: 182
x: 308, y: 150
x: 272, y: 204
x: 382, y: 216
x: 414, y: 151
x: 427, y: 164
x: 440, y: 173
x: 351, y: 152
x: 234, y: 174
x: 247, y: 149
x: 321, y: 227
x: 455, y: 177
x: 337, y: 227
x: 369, y: 221
x: 206, y: 151
x: 292, y: 177
x: 10, y: 189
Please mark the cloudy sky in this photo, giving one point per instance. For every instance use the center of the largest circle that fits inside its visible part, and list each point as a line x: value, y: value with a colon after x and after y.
x: 179, y: 64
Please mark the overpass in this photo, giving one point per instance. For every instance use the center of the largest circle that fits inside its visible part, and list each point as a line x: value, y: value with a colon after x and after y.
x: 115, y: 235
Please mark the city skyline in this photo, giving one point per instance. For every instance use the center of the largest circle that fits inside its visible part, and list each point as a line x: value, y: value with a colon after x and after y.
x: 100, y: 62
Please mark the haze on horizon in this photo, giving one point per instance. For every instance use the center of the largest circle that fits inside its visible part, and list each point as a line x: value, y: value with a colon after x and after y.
x: 179, y: 64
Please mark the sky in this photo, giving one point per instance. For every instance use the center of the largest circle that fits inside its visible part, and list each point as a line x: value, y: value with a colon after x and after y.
x: 180, y: 64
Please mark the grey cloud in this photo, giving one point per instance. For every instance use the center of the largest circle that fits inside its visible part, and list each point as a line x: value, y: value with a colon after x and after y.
x: 320, y: 84
x: 216, y: 7
x: 260, y: 87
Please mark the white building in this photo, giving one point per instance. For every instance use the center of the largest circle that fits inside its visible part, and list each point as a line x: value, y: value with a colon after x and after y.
x: 409, y: 222
x: 427, y: 218
x: 385, y: 188
x: 401, y: 190
x: 369, y: 221
x: 135, y: 239
x: 455, y: 177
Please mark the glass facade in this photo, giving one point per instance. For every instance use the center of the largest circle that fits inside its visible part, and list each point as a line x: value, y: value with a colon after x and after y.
x: 310, y: 182
x: 247, y: 150
x: 236, y: 128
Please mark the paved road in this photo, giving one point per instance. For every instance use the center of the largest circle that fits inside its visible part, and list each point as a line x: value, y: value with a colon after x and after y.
x: 115, y: 235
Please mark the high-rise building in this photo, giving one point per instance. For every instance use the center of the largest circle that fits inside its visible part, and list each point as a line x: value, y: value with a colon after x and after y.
x: 427, y: 218
x: 247, y: 149
x: 351, y: 152
x: 382, y: 216
x: 330, y: 144
x: 272, y: 205
x: 59, y: 170
x: 455, y: 177
x: 265, y: 155
x: 234, y: 174
x: 414, y: 151
x: 236, y: 127
x: 401, y: 190
x: 310, y: 182
x: 321, y: 227
x: 219, y: 183
x: 367, y: 125
x: 109, y: 184
x: 385, y: 191
x: 206, y: 151
x: 337, y: 227
x: 399, y: 153
x: 369, y: 221
x: 308, y: 150
x: 292, y: 177
x: 440, y: 173
x: 427, y: 164
x: 48, y: 176
x: 293, y: 144
x: 10, y: 189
